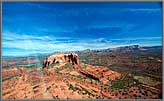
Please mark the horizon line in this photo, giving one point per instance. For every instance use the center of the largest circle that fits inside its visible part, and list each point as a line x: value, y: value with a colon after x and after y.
x: 80, y: 50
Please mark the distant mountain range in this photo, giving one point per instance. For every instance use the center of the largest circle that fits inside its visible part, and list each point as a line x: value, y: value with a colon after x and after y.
x: 124, y: 49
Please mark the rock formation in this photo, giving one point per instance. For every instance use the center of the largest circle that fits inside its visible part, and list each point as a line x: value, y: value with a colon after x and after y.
x: 100, y: 73
x: 61, y: 58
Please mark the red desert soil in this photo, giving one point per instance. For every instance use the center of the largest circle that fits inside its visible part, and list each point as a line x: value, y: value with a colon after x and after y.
x: 68, y: 79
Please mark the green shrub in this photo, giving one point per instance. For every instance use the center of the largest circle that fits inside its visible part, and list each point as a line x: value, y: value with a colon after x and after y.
x: 52, y: 65
x: 68, y: 65
x: 72, y: 87
x: 8, y: 78
x: 118, y: 84
x: 5, y: 66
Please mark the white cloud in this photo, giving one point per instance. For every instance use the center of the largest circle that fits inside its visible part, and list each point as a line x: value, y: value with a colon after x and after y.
x: 44, y: 44
x: 146, y: 9
x: 140, y: 38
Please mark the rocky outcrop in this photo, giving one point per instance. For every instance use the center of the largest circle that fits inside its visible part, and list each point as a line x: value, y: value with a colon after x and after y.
x: 100, y: 73
x: 61, y: 58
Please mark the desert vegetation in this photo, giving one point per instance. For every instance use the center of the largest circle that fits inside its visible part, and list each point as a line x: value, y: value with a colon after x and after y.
x: 98, y: 74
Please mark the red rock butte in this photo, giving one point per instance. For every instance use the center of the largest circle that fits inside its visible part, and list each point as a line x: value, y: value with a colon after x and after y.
x: 61, y: 58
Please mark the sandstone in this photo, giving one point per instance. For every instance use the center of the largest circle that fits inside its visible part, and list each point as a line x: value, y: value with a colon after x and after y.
x: 100, y: 73
x: 88, y: 82
x: 20, y: 94
x: 107, y: 94
x: 75, y: 95
x: 39, y: 96
x: 29, y: 94
x: 47, y: 95
x: 61, y: 58
x: 74, y: 73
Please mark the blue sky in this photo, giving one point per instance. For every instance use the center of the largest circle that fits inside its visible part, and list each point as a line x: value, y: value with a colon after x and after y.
x: 44, y: 27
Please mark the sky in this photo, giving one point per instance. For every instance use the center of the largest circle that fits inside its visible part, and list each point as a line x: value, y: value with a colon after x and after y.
x: 46, y: 27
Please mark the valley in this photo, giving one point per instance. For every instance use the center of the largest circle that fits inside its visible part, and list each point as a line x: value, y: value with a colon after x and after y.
x: 130, y: 72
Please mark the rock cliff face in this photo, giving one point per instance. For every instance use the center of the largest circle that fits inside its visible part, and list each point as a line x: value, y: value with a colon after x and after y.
x: 100, y: 73
x: 61, y: 58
